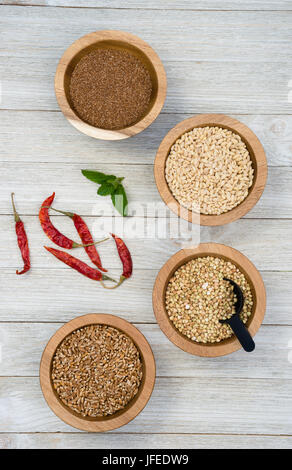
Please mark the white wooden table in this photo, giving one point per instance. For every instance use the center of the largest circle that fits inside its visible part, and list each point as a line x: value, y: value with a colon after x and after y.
x: 232, y: 57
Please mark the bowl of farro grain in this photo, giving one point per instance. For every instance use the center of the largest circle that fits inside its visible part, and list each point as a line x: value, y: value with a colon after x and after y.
x: 210, y: 169
x: 97, y: 372
x: 191, y: 296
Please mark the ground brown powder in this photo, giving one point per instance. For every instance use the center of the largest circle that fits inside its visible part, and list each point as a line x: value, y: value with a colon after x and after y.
x: 110, y: 88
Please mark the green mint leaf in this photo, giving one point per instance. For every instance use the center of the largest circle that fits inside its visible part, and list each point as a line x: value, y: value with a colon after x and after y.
x: 110, y: 178
x: 105, y: 189
x: 120, y: 201
x: 95, y: 176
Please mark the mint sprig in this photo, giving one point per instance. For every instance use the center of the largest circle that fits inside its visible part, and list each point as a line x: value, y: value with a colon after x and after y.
x: 110, y: 185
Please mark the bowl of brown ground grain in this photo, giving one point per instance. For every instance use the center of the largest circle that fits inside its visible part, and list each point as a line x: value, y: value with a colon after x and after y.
x: 190, y: 297
x: 110, y: 85
x: 210, y: 169
x: 97, y: 372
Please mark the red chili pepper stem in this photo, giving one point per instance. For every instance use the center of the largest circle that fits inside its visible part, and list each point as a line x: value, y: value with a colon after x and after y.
x: 16, y: 216
x: 107, y: 278
x: 71, y: 215
x: 79, y: 245
x: 122, y: 278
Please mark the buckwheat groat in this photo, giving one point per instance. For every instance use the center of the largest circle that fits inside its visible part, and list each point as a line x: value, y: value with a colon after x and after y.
x: 197, y: 298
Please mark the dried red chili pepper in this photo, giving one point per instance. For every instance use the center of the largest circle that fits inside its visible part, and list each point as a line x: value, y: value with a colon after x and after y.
x: 21, y: 239
x: 126, y: 259
x: 85, y: 236
x: 52, y: 232
x: 79, y: 265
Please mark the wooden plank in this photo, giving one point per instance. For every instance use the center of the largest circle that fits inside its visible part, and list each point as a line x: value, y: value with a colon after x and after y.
x: 266, y: 242
x: 191, y: 405
x: 141, y: 441
x: 177, y: 35
x: 46, y: 137
x: 190, y: 88
x: 74, y: 191
x: 196, y: 63
x: 45, y: 178
x: 235, y: 5
x: 240, y: 234
x: 22, y: 345
x: 59, y: 295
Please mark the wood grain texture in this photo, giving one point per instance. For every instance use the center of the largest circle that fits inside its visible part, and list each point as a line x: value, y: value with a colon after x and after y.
x: 189, y: 89
x: 142, y: 441
x: 262, y: 5
x: 176, y: 36
x: 58, y: 295
x: 22, y: 345
x: 75, y: 192
x: 190, y: 405
x: 254, y: 52
x: 150, y: 252
x: 188, y: 85
x: 46, y: 137
x: 257, y: 155
x: 257, y: 76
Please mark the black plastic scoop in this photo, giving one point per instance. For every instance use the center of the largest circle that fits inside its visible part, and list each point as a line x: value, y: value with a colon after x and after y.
x: 235, y: 322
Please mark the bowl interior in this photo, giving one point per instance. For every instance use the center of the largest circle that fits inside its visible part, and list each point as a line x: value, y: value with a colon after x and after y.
x: 119, y: 45
x: 249, y: 148
x: 202, y: 255
x: 118, y: 413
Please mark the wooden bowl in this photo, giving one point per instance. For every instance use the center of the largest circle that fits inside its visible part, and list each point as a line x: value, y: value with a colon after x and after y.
x: 183, y: 256
x: 134, y: 407
x: 257, y: 155
x: 118, y: 40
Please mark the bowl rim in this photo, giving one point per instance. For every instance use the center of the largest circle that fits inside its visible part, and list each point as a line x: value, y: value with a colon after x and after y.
x: 183, y: 256
x: 256, y: 151
x: 132, y: 410
x: 101, y: 36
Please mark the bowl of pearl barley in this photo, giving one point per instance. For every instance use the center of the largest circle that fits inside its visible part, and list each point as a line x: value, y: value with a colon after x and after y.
x: 191, y: 297
x: 210, y: 169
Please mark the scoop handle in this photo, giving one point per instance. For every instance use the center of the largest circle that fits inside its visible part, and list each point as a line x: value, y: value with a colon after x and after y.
x: 241, y: 332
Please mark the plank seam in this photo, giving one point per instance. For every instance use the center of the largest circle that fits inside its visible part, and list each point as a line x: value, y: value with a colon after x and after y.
x: 147, y: 433
x: 162, y: 112
x: 52, y: 322
x: 167, y: 377
x: 31, y: 5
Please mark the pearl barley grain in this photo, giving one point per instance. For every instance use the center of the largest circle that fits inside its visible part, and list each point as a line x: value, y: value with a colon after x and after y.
x: 209, y: 170
x: 199, y: 285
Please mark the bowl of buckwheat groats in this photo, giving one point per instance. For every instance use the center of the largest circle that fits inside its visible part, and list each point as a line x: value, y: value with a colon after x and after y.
x: 210, y: 169
x: 191, y: 297
x: 110, y: 85
x: 97, y: 372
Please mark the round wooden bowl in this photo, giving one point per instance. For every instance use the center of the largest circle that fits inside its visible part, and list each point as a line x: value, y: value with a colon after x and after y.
x: 257, y: 155
x: 134, y: 407
x: 118, y: 40
x: 183, y: 256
